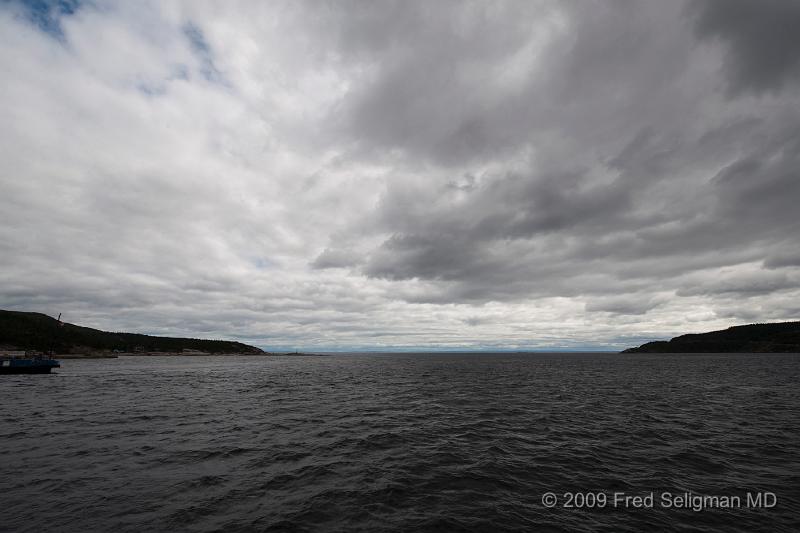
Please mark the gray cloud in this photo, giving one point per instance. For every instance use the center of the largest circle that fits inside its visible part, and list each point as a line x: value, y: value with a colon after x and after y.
x: 743, y: 284
x: 458, y: 174
x: 658, y: 194
x: 335, y: 258
x: 763, y: 46
x: 784, y: 258
x: 624, y: 305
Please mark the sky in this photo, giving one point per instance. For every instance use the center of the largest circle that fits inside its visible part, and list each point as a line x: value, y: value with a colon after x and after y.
x: 381, y: 175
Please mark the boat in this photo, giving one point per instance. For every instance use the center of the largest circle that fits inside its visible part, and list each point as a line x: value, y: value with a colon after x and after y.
x: 28, y: 365
x: 21, y: 362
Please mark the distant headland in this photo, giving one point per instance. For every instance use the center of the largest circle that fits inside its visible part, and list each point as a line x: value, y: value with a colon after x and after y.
x: 37, y: 332
x: 781, y: 337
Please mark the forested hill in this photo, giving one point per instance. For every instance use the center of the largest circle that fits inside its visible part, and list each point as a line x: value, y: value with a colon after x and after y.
x: 36, y: 331
x: 782, y: 337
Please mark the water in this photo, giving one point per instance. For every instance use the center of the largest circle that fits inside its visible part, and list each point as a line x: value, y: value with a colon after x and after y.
x: 398, y: 443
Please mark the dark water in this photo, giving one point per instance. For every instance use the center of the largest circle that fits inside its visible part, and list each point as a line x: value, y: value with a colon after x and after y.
x: 398, y: 443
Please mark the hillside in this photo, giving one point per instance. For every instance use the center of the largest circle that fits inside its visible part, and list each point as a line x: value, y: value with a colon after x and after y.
x: 36, y: 331
x: 782, y: 337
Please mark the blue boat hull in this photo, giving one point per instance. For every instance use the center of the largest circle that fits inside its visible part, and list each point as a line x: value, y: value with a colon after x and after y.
x: 28, y: 366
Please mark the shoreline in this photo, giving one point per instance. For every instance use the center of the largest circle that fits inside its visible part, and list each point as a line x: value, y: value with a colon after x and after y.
x: 179, y: 354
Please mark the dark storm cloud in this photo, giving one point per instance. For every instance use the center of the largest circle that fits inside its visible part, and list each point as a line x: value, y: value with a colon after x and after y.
x: 626, y: 184
x: 762, y: 187
x: 763, y: 44
x: 784, y: 258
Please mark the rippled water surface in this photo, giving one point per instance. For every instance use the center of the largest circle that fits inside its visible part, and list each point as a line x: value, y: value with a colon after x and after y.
x: 398, y: 443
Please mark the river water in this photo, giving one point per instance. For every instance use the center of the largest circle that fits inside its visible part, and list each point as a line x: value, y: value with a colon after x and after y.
x: 411, y: 442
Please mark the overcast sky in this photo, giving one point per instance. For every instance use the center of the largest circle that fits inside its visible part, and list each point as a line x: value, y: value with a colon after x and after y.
x: 402, y: 174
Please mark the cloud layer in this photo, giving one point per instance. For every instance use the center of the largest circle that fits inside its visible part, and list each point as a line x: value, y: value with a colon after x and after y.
x: 402, y: 174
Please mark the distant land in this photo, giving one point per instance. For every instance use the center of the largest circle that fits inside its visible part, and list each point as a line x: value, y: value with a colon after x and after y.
x: 38, y: 332
x: 781, y: 337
